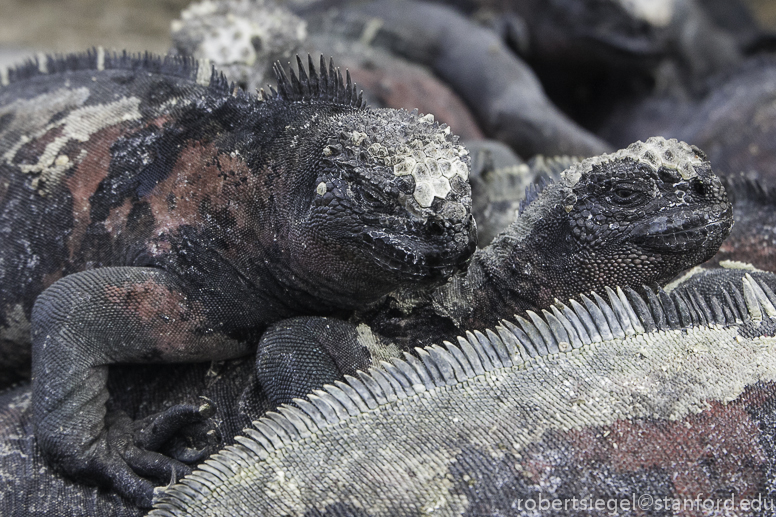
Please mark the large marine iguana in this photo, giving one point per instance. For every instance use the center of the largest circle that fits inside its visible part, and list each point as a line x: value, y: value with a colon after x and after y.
x: 648, y: 400
x: 151, y: 213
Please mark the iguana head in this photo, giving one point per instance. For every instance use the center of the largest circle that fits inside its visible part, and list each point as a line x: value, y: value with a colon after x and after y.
x: 645, y: 213
x: 386, y: 196
x: 637, y: 216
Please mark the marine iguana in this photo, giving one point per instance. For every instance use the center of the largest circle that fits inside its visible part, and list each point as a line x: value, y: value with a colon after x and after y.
x: 647, y: 399
x: 151, y: 213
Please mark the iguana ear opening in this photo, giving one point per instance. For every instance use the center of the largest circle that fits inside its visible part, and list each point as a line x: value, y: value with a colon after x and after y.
x: 326, y: 85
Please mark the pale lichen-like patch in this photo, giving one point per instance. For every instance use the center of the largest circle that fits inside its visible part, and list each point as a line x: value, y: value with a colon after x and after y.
x: 79, y: 124
x: 656, y: 152
x: 432, y: 166
x: 410, y: 145
x: 736, y: 264
x: 670, y: 286
x: 378, y: 350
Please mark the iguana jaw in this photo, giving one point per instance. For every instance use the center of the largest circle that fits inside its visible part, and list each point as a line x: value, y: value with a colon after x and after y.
x: 415, y: 260
x: 677, y: 235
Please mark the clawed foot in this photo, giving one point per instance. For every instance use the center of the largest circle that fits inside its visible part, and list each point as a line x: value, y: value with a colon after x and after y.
x: 132, y: 457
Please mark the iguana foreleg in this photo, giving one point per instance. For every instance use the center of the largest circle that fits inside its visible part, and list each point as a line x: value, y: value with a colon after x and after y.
x: 89, y: 320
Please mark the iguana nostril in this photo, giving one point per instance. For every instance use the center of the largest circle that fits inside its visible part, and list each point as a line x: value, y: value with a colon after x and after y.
x: 698, y: 187
x: 435, y: 227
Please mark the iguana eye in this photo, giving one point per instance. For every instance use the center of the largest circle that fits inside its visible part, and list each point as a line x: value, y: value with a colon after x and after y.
x: 624, y: 195
x: 371, y: 198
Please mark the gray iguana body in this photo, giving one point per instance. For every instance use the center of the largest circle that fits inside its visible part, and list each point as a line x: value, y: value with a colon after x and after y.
x: 672, y: 396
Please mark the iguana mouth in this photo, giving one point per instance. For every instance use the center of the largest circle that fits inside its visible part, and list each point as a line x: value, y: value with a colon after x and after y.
x: 680, y: 234
x: 425, y: 262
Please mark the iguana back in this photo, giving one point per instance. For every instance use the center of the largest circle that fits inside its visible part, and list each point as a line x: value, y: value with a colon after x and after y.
x: 669, y: 396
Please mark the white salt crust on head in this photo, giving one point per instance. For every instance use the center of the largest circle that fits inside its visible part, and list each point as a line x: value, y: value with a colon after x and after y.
x: 656, y: 152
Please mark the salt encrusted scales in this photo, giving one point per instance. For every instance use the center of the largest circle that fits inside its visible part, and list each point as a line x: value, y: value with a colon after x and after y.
x: 656, y: 152
x: 432, y: 165
x: 432, y: 159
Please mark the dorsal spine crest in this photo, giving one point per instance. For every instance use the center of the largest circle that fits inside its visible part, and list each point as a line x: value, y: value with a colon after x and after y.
x: 311, y: 85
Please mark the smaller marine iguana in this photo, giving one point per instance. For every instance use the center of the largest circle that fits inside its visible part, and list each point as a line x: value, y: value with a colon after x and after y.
x: 149, y: 212
x: 672, y: 396
x: 635, y: 217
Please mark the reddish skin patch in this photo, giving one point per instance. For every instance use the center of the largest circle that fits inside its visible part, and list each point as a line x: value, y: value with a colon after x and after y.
x: 116, y: 222
x: 51, y: 278
x: 219, y: 192
x: 753, y: 248
x: 712, y: 453
x: 86, y: 177
x: 203, y: 177
x: 166, y: 315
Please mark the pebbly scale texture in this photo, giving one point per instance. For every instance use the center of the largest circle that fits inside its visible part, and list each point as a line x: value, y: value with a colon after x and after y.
x: 577, y: 402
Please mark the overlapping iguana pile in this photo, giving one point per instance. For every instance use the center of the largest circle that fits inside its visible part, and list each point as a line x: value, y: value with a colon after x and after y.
x: 637, y: 216
x: 185, y: 218
x: 151, y: 213
x: 640, y: 402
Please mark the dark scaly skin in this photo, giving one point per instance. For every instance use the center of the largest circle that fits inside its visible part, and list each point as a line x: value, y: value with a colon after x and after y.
x: 148, y: 218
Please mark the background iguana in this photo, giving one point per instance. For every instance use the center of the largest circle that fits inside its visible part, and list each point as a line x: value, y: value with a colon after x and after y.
x: 151, y: 213
x: 663, y: 396
x: 753, y: 238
